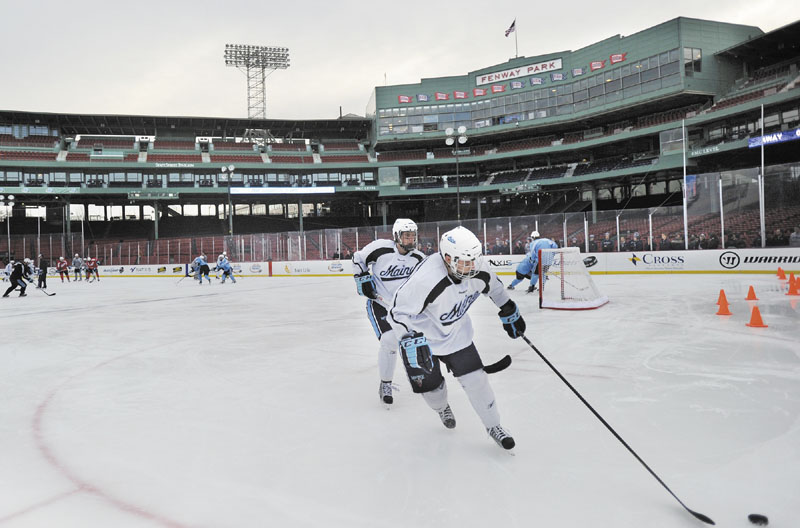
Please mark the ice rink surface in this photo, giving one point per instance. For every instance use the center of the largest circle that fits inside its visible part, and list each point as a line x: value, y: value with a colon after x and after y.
x: 138, y: 402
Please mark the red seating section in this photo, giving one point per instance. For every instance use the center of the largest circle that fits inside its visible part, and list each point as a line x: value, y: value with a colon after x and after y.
x: 24, y: 155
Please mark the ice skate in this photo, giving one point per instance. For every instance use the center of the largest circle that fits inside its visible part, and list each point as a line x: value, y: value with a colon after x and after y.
x: 510, y: 287
x: 385, y: 392
x: 501, y: 436
x: 446, y: 415
x: 531, y: 288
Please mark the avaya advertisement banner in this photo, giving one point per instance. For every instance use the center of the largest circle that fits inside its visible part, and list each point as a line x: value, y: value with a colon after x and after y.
x: 516, y: 73
x: 777, y: 137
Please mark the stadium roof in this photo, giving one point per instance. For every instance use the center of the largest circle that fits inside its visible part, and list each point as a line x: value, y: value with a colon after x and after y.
x: 348, y: 127
x: 768, y: 48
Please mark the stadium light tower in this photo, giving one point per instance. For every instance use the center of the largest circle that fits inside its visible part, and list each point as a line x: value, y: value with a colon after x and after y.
x: 255, y: 61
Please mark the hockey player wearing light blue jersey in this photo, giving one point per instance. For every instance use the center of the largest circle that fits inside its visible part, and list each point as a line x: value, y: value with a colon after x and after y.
x: 201, y: 264
x: 528, y: 268
x: 227, y: 271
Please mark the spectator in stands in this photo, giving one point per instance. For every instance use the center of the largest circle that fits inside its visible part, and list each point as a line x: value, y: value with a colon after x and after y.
x: 712, y: 242
x: 336, y: 255
x: 347, y: 255
x: 794, y: 238
x: 623, y: 244
x: 592, y: 244
x: 736, y: 241
x: 665, y: 244
x: 777, y: 239
x: 573, y: 242
x: 636, y: 244
x: 519, y: 248
x: 607, y: 244
x: 756, y: 241
x: 694, y: 241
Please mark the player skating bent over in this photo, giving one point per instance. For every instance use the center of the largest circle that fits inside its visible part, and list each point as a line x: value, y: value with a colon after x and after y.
x: 430, y: 311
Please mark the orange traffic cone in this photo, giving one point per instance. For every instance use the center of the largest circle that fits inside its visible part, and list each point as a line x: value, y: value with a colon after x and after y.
x: 781, y: 274
x: 751, y: 295
x: 723, y: 308
x: 794, y: 287
x: 722, y: 299
x: 755, y: 319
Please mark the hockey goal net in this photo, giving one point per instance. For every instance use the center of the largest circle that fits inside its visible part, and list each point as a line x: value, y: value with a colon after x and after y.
x: 565, y: 283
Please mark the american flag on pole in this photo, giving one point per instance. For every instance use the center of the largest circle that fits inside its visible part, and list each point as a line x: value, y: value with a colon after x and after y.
x: 512, y: 27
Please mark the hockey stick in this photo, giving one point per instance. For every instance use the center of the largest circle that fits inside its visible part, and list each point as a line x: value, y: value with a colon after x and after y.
x: 45, y: 292
x: 697, y: 515
x: 497, y: 366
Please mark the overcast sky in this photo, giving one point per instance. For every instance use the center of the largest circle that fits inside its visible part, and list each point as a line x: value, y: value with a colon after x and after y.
x: 166, y: 57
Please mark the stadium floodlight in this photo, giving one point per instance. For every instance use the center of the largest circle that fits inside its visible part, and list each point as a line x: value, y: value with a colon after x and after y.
x: 451, y: 141
x: 255, y: 61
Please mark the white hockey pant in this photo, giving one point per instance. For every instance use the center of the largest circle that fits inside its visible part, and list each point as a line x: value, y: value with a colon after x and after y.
x: 481, y: 396
x: 387, y: 356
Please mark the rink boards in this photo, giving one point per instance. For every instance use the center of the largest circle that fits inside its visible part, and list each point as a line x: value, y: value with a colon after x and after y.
x: 645, y: 262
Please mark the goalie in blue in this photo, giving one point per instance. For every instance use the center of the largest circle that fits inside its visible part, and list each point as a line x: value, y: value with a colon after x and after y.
x: 529, y: 267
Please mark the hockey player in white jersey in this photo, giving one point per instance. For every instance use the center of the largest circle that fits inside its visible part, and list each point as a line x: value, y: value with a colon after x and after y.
x: 430, y: 312
x: 381, y: 267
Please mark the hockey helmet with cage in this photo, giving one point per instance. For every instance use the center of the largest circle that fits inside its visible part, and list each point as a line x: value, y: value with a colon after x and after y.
x: 76, y: 255
x: 534, y: 234
x: 404, y: 225
x: 464, y: 250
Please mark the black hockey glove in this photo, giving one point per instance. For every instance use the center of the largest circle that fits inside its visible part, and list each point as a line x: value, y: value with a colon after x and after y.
x: 513, y: 323
x: 365, y: 285
x: 416, y: 350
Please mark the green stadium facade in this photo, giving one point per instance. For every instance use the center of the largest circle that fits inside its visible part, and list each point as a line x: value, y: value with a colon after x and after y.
x: 618, y: 125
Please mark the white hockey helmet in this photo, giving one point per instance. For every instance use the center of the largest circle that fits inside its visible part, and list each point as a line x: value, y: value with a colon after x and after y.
x: 534, y: 234
x: 76, y: 255
x: 404, y: 225
x: 464, y: 250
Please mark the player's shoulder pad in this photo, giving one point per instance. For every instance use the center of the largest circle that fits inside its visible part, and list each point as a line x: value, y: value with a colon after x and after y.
x: 378, y: 252
x: 419, y: 255
x: 485, y: 277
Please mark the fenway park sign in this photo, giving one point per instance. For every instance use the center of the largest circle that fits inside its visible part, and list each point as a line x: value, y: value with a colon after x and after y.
x: 516, y: 73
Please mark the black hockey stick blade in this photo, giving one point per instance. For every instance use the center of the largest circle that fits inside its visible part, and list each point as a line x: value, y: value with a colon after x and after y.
x: 697, y: 515
x: 44, y: 292
x: 502, y: 364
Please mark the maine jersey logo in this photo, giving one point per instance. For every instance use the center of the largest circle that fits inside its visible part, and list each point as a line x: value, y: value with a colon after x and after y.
x: 395, y: 272
x: 458, y: 311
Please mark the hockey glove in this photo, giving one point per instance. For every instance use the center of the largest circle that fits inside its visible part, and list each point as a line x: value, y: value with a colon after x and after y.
x: 416, y: 350
x: 513, y: 323
x: 365, y: 285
